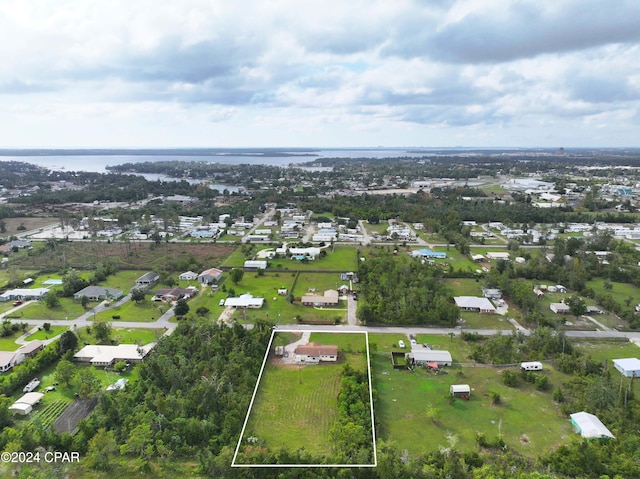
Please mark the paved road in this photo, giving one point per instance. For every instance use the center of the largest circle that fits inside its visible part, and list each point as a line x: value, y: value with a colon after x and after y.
x: 264, y: 218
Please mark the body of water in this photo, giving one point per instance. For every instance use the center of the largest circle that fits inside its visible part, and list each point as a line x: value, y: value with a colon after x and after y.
x: 99, y: 163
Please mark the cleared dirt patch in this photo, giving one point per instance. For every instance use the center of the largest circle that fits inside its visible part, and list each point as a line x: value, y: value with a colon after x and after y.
x: 76, y: 412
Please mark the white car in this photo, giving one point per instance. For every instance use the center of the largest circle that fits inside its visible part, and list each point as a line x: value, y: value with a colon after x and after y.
x: 401, y: 344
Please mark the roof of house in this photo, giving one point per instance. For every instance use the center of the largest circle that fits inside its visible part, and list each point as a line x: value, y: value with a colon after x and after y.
x: 559, y: 307
x: 315, y: 349
x: 473, y: 302
x: 330, y: 296
x: 30, y: 347
x: 30, y: 292
x: 148, y: 277
x: 177, y: 292
x: 628, y: 364
x: 244, y: 301
x: 101, y: 353
x: 190, y: 274
x: 97, y: 291
x: 427, y: 355
x: 215, y: 272
x: 590, y: 426
x: 6, y: 357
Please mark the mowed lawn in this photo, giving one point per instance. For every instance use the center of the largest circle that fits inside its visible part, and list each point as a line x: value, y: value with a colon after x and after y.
x: 528, y: 419
x: 295, y: 406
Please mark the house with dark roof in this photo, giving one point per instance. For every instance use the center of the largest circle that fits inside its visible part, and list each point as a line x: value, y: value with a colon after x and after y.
x: 174, y: 294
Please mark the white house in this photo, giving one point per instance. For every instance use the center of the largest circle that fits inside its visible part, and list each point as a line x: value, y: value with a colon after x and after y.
x: 244, y: 301
x: 314, y: 353
x: 99, y: 355
x: 188, y: 276
x: 24, y: 294
x: 474, y: 303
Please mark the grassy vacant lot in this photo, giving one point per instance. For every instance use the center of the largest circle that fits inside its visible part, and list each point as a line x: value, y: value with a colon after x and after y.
x: 528, y: 419
x: 43, y: 335
x: 465, y: 286
x: 123, y: 335
x: 295, y: 406
x: 320, y: 281
x: 619, y: 291
x: 68, y: 309
x: 144, y: 311
x: 608, y: 350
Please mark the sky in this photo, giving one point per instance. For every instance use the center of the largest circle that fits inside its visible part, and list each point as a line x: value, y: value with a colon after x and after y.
x: 327, y: 73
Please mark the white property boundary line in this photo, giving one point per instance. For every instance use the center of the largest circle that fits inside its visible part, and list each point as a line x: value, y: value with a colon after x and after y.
x: 264, y: 362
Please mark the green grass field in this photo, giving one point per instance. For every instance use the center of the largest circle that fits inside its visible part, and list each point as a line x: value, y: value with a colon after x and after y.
x: 123, y: 335
x: 68, y: 309
x: 8, y: 343
x: 42, y: 334
x: 145, y: 311
x: 528, y: 419
x: 295, y: 406
x: 619, y: 291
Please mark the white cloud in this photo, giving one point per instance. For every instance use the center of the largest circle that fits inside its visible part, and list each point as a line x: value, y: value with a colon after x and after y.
x: 326, y: 73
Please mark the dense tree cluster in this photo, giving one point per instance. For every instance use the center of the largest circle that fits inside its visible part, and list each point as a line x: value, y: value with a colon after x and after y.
x: 403, y: 290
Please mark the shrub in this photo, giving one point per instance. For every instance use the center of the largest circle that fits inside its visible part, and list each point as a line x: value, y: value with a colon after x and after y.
x: 509, y: 378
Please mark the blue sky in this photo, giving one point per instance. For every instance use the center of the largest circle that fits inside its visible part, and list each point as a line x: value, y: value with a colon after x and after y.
x: 156, y: 73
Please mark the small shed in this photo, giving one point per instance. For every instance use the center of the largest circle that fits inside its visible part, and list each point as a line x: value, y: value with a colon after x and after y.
x: 462, y: 391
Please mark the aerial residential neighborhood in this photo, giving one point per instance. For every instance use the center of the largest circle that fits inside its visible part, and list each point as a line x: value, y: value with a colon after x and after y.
x: 457, y: 299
